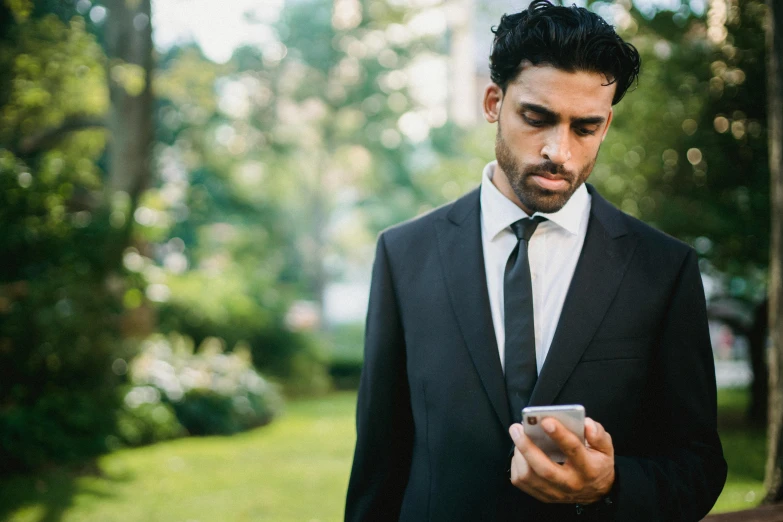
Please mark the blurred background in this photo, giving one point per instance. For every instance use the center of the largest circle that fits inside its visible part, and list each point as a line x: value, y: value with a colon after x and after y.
x: 190, y: 193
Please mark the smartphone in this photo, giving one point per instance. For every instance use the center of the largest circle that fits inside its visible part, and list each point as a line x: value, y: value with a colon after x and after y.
x: 572, y: 416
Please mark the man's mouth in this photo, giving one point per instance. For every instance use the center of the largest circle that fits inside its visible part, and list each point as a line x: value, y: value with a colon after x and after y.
x: 549, y: 181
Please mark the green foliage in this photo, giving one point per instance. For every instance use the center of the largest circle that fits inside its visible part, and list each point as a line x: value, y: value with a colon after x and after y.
x: 58, y: 425
x: 346, y: 343
x: 51, y: 71
x: 147, y: 423
x: 687, y: 150
x: 209, y: 391
x: 346, y: 354
x: 207, y: 413
x: 203, y: 306
x: 61, y: 311
x: 60, y: 322
x: 21, y: 9
x: 236, y: 222
x: 277, y: 164
x: 67, y: 304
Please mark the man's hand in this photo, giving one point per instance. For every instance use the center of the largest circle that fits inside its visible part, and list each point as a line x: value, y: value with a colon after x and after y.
x: 586, y: 476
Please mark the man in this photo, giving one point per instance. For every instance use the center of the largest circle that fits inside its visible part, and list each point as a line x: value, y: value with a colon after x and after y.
x: 533, y: 290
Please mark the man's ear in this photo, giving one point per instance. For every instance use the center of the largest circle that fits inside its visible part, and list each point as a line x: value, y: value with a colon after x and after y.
x: 608, y: 122
x: 493, y: 100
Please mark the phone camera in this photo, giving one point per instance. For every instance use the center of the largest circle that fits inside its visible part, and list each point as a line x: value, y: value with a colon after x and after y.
x: 532, y: 421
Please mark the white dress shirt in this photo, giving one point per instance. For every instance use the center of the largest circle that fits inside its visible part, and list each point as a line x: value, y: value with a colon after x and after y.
x: 553, y: 252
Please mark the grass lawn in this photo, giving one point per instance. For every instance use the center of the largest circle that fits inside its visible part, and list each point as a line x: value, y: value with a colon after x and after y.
x: 296, y: 469
x: 745, y: 449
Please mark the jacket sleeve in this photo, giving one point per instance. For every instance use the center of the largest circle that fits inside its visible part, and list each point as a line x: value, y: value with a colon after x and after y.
x: 680, y: 480
x: 384, y: 423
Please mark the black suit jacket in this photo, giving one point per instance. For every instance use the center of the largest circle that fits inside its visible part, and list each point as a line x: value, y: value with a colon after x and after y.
x: 632, y: 346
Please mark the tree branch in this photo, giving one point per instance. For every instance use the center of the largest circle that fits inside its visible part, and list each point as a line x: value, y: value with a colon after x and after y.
x: 48, y: 138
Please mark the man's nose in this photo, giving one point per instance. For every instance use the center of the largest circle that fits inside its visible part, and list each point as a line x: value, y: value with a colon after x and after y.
x: 556, y: 146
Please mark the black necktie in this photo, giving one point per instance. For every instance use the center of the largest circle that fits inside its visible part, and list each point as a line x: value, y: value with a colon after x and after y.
x: 520, y: 355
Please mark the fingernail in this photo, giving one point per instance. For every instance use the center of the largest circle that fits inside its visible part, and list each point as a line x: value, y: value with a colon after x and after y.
x: 515, y: 432
x: 548, y: 425
x: 590, y: 423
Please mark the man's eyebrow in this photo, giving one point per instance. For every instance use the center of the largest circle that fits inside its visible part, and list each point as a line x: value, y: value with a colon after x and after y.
x: 540, y: 109
x: 589, y: 120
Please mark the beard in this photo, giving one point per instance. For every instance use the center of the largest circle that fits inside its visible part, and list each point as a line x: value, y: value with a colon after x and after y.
x: 534, y: 197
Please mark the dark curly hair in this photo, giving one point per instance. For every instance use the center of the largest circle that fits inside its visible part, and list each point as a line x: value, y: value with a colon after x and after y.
x: 568, y: 38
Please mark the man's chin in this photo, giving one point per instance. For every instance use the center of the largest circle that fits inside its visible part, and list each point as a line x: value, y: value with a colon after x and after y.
x: 538, y: 199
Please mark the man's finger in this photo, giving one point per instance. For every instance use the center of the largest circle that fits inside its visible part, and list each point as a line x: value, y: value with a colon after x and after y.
x: 569, y: 443
x: 517, y: 433
x: 540, y: 464
x: 519, y: 467
x: 523, y: 477
x: 523, y: 443
x: 598, y: 438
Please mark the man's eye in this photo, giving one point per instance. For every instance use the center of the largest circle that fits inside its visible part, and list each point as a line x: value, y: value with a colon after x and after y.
x: 582, y: 131
x: 535, y: 122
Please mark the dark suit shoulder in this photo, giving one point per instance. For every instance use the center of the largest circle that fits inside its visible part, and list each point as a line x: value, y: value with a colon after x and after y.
x: 656, y: 243
x: 421, y: 229
x: 657, y: 237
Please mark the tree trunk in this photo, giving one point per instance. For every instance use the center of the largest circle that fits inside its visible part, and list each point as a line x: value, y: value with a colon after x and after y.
x: 774, y: 471
x: 129, y: 50
x: 130, y: 122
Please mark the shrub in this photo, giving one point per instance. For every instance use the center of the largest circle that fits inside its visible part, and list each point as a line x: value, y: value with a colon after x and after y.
x: 210, y: 391
x: 235, y: 314
x: 146, y: 422
x: 346, y: 355
x: 64, y: 426
x: 61, y: 315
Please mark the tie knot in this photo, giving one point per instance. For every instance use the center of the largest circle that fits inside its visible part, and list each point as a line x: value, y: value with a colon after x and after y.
x: 525, y: 227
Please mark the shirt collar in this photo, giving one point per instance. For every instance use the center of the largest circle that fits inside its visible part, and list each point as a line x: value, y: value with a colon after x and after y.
x: 499, y: 211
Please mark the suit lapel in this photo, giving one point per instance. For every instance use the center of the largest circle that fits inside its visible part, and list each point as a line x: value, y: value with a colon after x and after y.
x: 607, y: 249
x: 462, y: 258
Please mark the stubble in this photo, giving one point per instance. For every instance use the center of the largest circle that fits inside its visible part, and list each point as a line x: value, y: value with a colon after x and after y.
x: 532, y: 196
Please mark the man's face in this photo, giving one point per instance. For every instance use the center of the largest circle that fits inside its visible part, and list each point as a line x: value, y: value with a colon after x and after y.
x: 550, y: 126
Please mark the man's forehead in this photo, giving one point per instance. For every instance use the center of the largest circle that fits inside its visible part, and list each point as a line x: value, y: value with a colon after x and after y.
x: 560, y: 90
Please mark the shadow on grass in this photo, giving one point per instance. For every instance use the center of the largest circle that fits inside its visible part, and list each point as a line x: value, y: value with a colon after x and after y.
x: 50, y: 493
x: 744, y: 444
